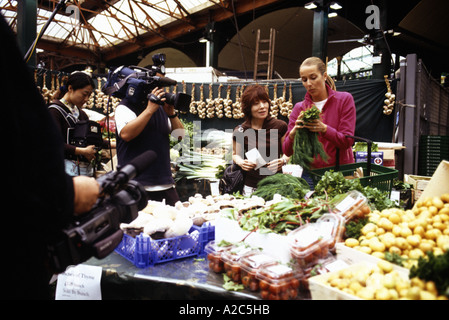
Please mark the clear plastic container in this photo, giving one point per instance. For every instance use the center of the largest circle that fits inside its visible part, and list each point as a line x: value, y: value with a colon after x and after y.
x: 309, y: 244
x: 320, y: 268
x: 231, y: 261
x: 334, y: 225
x: 278, y: 281
x: 249, y: 266
x: 353, y: 205
x: 214, y: 253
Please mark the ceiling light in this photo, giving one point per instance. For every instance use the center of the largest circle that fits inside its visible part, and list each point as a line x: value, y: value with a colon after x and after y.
x: 310, y: 6
x: 335, y: 6
x: 332, y: 14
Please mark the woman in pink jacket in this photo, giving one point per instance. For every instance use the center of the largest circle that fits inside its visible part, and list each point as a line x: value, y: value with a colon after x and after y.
x: 338, y: 115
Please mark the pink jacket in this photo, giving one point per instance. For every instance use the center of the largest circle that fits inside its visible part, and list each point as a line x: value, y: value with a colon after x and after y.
x: 340, y: 116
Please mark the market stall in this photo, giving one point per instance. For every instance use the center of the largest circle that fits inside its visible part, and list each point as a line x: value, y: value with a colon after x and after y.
x: 343, y: 241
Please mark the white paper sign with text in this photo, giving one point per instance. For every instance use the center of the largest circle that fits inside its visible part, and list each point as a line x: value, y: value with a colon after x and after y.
x: 81, y: 282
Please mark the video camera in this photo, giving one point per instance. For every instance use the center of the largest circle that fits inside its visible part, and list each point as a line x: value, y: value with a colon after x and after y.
x: 136, y: 83
x: 97, y: 233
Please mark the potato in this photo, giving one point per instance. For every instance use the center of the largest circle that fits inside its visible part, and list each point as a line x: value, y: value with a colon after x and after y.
x: 445, y: 197
x: 385, y: 266
x: 351, y: 242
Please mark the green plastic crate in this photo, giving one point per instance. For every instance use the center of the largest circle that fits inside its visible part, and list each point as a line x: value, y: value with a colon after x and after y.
x: 380, y: 177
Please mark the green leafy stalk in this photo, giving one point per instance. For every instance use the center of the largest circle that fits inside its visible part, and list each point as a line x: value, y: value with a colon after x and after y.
x: 306, y: 145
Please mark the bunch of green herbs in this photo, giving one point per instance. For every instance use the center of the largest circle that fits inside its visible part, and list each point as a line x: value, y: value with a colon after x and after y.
x: 306, y: 145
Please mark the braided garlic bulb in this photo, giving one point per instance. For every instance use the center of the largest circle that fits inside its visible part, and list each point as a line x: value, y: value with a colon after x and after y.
x: 201, y: 104
x: 210, y: 107
x: 193, y: 103
x: 228, y: 103
x: 389, y: 102
x: 219, y: 103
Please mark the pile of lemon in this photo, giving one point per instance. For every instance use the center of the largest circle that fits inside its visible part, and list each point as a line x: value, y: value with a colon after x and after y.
x: 381, y: 282
x: 408, y: 233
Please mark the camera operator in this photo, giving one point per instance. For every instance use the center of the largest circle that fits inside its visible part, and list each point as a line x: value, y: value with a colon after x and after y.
x: 67, y: 110
x: 39, y: 198
x: 148, y: 127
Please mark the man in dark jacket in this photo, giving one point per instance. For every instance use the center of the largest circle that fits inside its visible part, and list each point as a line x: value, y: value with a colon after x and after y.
x: 38, y: 198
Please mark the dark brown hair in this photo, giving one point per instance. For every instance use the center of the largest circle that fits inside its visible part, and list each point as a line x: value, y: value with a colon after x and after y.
x: 252, y: 95
x: 77, y: 80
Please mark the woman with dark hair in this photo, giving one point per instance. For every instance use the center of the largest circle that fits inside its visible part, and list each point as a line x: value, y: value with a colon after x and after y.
x: 257, y: 142
x: 66, y: 109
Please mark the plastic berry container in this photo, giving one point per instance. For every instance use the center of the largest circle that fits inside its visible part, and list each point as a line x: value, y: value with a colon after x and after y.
x: 309, y: 244
x: 214, y: 252
x: 278, y: 281
x: 334, y: 225
x: 231, y: 261
x: 353, y: 205
x: 250, y: 265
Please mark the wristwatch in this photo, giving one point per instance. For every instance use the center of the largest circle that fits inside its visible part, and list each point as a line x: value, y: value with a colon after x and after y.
x: 173, y: 115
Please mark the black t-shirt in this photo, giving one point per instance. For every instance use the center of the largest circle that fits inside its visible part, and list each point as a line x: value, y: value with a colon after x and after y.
x: 155, y: 136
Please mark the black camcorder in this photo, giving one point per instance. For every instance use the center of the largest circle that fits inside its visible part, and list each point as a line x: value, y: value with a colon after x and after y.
x: 136, y: 83
x: 97, y: 233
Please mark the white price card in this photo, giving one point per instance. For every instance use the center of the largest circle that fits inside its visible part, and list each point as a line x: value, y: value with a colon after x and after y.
x: 81, y: 282
x: 254, y: 156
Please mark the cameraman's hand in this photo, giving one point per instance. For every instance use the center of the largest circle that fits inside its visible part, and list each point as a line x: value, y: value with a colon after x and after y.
x: 88, y: 152
x: 151, y: 106
x: 86, y: 191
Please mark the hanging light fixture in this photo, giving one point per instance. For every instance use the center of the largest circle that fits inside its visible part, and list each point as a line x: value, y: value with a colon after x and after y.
x: 310, y: 5
x: 335, y: 6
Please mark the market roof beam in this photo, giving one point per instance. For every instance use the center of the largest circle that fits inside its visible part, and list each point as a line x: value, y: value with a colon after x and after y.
x: 181, y: 28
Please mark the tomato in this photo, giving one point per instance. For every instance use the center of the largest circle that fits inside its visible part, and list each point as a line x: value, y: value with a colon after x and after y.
x: 274, y: 296
x: 245, y: 281
x: 293, y: 293
x: 235, y: 269
x: 294, y: 283
x: 217, y: 268
x: 264, y: 294
x: 275, y: 288
x: 254, y: 285
x: 263, y: 285
x: 284, y: 286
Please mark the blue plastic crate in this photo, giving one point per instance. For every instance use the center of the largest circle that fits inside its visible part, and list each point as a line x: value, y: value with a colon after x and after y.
x: 143, y: 251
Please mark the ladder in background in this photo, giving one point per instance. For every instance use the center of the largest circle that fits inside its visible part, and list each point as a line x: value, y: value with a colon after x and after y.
x: 268, y: 53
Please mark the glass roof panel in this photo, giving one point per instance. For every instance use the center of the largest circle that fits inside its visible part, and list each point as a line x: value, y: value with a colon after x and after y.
x: 121, y: 21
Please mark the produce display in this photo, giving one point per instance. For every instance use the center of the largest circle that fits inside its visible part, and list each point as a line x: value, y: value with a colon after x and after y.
x: 380, y: 282
x: 249, y: 266
x: 310, y: 244
x: 283, y: 184
x: 279, y: 282
x: 312, y: 223
x: 231, y: 260
x: 214, y: 251
x: 403, y: 236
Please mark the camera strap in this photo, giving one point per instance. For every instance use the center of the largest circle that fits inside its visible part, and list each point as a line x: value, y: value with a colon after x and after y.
x: 70, y: 118
x: 118, y: 85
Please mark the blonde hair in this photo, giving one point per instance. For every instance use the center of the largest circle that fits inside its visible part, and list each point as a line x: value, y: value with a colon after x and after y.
x: 315, y: 61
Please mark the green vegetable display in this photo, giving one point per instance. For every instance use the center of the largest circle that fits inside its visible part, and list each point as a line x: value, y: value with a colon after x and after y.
x: 283, y: 216
x: 284, y: 184
x: 434, y: 268
x: 334, y: 183
x: 306, y: 145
